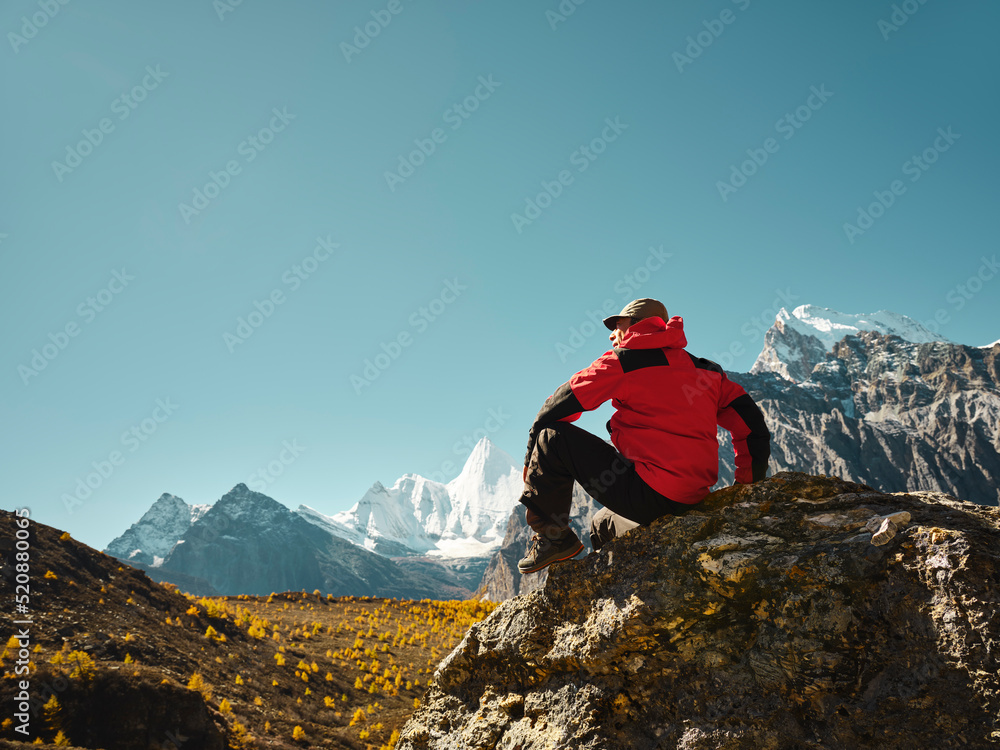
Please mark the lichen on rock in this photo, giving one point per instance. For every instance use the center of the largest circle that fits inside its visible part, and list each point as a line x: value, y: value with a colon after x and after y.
x: 762, y: 618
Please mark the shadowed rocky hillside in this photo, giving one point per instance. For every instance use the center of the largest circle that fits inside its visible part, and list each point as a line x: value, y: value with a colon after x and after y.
x: 766, y: 617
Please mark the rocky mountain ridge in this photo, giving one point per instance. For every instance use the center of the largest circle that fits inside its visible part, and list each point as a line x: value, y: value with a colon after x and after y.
x: 799, y: 340
x: 463, y: 518
x: 418, y: 539
x: 890, y: 413
x: 248, y: 543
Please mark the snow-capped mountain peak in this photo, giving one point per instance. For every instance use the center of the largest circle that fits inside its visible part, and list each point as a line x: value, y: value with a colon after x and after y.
x: 800, y: 339
x: 830, y: 326
x: 486, y: 466
x: 151, y: 538
x: 465, y: 517
x: 484, y: 493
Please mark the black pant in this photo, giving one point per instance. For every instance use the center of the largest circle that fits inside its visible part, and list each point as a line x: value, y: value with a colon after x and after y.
x: 564, y: 453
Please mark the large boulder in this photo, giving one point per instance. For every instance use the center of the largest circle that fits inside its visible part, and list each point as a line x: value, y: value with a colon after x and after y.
x: 765, y: 617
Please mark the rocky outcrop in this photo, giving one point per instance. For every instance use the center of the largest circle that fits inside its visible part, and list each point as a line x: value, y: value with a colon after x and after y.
x: 887, y: 412
x: 763, y: 618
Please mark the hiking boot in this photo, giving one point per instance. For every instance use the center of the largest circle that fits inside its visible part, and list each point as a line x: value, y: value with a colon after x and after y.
x: 545, y: 550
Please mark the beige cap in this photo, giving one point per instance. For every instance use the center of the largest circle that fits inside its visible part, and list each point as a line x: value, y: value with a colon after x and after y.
x: 638, y: 309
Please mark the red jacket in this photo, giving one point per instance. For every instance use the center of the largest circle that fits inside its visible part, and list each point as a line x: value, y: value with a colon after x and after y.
x: 667, y: 405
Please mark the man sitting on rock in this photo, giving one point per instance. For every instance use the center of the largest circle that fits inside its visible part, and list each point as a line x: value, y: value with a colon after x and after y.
x: 664, y: 453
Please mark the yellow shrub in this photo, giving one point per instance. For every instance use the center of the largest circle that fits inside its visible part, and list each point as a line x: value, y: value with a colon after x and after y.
x: 82, y: 663
x: 50, y: 713
x: 239, y: 736
x: 197, y: 683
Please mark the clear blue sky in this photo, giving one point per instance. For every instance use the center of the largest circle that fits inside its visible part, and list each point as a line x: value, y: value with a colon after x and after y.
x: 501, y: 97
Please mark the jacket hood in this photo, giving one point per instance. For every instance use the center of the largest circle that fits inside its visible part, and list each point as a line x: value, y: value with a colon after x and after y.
x: 653, y: 333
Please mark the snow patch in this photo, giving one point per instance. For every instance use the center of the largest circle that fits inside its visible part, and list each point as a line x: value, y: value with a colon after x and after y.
x: 847, y: 405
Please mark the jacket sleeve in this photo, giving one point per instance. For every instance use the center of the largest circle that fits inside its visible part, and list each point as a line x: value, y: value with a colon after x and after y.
x: 585, y: 391
x: 740, y: 414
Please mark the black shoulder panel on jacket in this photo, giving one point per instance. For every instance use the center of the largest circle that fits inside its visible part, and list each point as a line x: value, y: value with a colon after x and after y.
x: 636, y: 359
x: 706, y: 364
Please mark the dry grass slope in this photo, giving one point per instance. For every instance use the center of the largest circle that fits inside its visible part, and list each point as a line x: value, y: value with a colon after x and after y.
x: 117, y: 659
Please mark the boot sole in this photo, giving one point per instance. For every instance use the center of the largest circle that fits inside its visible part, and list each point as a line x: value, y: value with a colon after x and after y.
x: 575, y: 552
